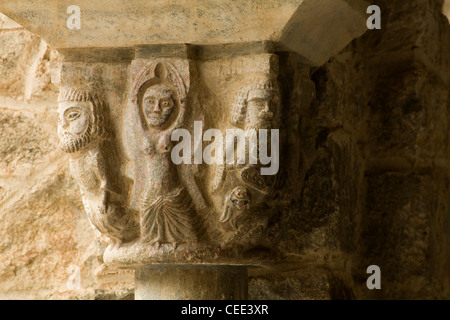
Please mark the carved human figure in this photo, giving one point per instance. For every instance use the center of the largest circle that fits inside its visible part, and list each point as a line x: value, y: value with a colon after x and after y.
x: 257, y: 106
x: 84, y: 134
x: 166, y: 210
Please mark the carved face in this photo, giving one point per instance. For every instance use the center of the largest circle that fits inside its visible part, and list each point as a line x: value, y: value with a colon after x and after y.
x: 74, y: 124
x: 240, y: 199
x: 157, y: 104
x: 261, y: 106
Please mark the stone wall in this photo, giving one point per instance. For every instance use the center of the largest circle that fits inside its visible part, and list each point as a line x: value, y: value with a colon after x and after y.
x: 375, y: 160
x: 403, y: 224
x: 45, y: 235
x: 372, y: 166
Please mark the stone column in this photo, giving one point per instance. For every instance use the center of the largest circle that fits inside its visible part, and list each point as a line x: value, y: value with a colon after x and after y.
x: 190, y: 225
x: 150, y: 120
x: 191, y: 283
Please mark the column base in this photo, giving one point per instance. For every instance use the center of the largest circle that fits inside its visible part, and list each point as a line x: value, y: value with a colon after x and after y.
x: 181, y: 282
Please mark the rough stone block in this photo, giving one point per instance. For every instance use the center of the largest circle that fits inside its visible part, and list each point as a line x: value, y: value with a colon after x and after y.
x: 6, y: 23
x: 398, y: 232
x: 408, y: 116
x: 292, y: 24
x: 17, y: 49
x: 294, y: 285
x: 326, y: 220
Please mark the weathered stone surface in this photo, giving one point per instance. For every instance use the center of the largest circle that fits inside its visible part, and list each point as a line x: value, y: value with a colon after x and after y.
x: 406, y: 173
x: 302, y: 284
x: 6, y: 23
x: 213, y: 233
x: 290, y: 23
x: 32, y: 177
x: 403, y: 124
x: 398, y: 232
x: 47, y: 242
x: 299, y: 285
x: 205, y: 283
x: 363, y: 179
x: 386, y: 108
x: 25, y: 62
x: 17, y: 51
x: 446, y: 8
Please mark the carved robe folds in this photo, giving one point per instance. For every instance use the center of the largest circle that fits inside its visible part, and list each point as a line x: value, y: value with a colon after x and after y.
x: 151, y: 210
x: 157, y: 106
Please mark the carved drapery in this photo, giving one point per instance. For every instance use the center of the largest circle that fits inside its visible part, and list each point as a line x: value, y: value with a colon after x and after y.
x: 148, y: 208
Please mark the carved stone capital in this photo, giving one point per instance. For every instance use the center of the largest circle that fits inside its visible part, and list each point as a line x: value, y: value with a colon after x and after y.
x: 178, y: 156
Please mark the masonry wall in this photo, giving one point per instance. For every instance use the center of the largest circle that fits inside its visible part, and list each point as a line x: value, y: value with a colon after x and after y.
x: 371, y: 163
x: 46, y: 242
x: 374, y: 165
x: 404, y: 222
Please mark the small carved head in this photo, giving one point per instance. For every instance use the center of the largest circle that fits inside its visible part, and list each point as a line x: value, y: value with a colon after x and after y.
x: 80, y: 118
x: 156, y: 94
x: 157, y: 104
x: 257, y: 105
x: 237, y: 202
x: 240, y: 198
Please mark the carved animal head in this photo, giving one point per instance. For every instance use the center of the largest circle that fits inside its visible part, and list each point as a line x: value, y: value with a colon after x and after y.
x: 236, y: 203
